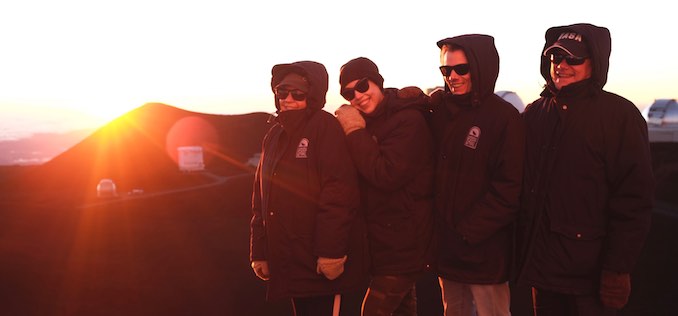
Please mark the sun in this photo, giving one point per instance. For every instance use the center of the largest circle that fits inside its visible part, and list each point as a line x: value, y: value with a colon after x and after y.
x: 104, y: 110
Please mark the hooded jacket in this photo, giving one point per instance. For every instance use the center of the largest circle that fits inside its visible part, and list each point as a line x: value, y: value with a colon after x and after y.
x: 588, y: 184
x: 479, y: 141
x: 305, y: 197
x: 395, y: 164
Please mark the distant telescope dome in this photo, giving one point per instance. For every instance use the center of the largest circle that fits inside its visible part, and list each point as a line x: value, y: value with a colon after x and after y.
x: 512, y: 98
x: 106, y: 189
x: 662, y: 121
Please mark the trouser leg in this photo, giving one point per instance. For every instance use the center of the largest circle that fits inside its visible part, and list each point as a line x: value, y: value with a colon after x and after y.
x: 391, y: 295
x: 491, y: 299
x: 457, y: 298
x: 313, y: 306
x: 547, y: 303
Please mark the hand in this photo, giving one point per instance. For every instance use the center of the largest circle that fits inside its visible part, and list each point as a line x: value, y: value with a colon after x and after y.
x: 409, y: 92
x: 349, y: 118
x: 615, y: 289
x: 261, y: 269
x: 330, y: 267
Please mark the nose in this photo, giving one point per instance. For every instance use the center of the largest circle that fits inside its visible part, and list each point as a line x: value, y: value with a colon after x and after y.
x: 453, y: 74
x: 562, y: 64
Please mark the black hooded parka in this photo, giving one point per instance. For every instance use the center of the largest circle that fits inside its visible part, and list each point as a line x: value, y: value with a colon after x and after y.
x: 393, y: 155
x: 588, y: 184
x: 480, y: 142
x: 305, y: 197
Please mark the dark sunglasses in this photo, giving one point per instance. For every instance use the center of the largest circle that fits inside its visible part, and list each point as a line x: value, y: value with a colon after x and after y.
x: 297, y: 95
x: 570, y: 60
x: 362, y: 86
x: 460, y: 69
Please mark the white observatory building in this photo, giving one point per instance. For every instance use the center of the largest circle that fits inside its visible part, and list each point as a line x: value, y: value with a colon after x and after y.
x: 190, y: 158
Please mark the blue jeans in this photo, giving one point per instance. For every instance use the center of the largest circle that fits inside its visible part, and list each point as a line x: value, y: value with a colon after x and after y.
x: 461, y: 299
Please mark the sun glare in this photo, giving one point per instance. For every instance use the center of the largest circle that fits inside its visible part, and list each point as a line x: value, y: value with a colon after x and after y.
x: 104, y: 110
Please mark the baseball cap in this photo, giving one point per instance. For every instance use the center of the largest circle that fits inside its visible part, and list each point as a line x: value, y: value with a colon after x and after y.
x: 571, y: 43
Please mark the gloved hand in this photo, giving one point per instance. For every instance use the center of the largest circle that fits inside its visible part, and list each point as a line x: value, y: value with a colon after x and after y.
x: 261, y: 269
x: 615, y: 289
x: 330, y: 267
x: 409, y: 92
x: 349, y: 118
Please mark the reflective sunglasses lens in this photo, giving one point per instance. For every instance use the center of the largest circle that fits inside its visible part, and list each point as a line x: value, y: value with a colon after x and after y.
x: 461, y: 69
x: 282, y: 94
x: 556, y: 59
x: 574, y: 61
x: 446, y: 70
x: 348, y: 94
x: 362, y: 86
x: 298, y: 95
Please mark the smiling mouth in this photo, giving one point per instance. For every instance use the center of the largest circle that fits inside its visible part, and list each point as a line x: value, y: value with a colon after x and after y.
x: 455, y: 86
x: 362, y: 102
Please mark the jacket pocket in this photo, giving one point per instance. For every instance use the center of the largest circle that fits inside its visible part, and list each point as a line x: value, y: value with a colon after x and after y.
x: 394, y: 233
x: 576, y: 250
x: 457, y: 252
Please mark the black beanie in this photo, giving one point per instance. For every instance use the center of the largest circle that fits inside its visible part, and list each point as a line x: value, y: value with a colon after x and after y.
x: 359, y: 68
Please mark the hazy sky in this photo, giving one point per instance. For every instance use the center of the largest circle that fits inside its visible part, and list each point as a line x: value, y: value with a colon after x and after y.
x: 80, y: 63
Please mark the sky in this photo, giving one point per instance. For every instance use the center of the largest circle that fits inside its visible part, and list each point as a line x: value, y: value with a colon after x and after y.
x: 74, y: 64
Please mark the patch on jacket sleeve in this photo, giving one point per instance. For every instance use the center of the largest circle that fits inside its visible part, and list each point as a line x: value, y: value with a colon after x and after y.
x: 302, y: 148
x: 472, y: 137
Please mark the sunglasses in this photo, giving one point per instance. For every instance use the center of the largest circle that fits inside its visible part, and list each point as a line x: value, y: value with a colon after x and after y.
x: 362, y: 86
x: 460, y: 69
x: 570, y: 60
x: 297, y: 95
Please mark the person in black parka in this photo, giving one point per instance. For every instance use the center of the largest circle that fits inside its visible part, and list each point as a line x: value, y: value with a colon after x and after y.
x: 588, y: 184
x: 479, y: 139
x: 391, y: 147
x: 307, y: 239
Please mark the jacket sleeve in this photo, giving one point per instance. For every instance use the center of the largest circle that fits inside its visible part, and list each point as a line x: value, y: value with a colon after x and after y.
x: 339, y: 195
x: 393, y: 161
x: 499, y: 205
x: 258, y: 242
x: 631, y: 179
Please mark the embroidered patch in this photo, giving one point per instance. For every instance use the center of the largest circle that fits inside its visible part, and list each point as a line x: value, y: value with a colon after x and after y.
x: 472, y: 137
x: 302, y: 148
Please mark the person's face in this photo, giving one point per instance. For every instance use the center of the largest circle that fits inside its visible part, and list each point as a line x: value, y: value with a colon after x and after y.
x: 290, y: 98
x: 368, y: 100
x: 564, y: 72
x: 458, y: 84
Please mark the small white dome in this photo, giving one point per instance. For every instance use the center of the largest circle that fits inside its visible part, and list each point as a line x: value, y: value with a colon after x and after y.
x: 512, y: 98
x: 662, y: 121
x: 106, y: 188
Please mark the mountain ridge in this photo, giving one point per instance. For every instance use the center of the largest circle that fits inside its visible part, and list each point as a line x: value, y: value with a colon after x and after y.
x: 139, y: 150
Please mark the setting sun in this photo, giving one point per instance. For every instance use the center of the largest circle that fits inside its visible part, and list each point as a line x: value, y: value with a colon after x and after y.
x: 105, y: 110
